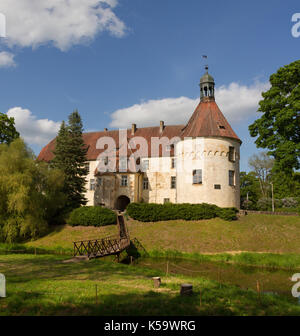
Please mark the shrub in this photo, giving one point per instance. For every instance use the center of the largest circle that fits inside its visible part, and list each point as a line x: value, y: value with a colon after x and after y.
x: 92, y: 216
x: 265, y: 204
x: 289, y: 202
x: 150, y: 212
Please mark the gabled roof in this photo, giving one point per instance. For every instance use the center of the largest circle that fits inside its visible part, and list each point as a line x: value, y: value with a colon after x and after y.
x: 208, y: 121
x: 91, y: 139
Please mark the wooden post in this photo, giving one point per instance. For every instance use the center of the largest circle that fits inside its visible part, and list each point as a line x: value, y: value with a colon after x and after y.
x: 131, y: 260
x: 157, y: 281
x: 167, y: 268
x: 258, y: 289
x: 200, y: 299
x: 186, y: 289
x: 96, y: 294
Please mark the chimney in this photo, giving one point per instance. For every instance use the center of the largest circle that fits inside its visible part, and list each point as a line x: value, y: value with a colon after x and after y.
x: 161, y: 126
x: 133, y: 129
x: 105, y: 129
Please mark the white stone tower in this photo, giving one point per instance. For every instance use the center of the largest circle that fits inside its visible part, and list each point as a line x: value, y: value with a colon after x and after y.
x: 208, y: 156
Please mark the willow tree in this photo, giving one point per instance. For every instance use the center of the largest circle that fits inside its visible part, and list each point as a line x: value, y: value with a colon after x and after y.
x: 30, y: 193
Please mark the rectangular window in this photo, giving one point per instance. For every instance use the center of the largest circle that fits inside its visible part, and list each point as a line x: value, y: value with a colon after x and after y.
x: 197, y: 176
x: 99, y: 181
x: 173, y: 164
x: 145, y: 183
x: 166, y: 200
x: 124, y: 181
x: 231, y: 155
x: 173, y: 182
x: 145, y: 165
x: 217, y: 186
x: 231, y: 177
x: 92, y: 184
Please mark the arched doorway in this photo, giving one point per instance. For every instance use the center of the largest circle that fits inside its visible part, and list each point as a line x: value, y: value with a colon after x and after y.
x: 122, y: 202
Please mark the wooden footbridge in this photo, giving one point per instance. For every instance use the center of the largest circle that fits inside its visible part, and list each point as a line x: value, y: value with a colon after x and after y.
x: 112, y: 245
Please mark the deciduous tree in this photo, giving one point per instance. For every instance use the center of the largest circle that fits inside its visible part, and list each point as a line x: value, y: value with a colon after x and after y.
x: 278, y: 129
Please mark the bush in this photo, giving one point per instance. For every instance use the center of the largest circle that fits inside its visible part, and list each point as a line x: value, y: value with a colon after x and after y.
x: 265, y: 204
x: 92, y: 216
x: 289, y: 202
x: 150, y: 212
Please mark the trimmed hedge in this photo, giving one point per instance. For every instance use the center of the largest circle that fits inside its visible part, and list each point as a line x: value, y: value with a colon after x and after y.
x: 151, y: 212
x: 92, y: 216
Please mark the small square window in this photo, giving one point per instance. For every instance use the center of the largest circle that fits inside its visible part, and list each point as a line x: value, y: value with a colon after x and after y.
x: 145, y: 183
x: 173, y: 182
x: 124, y: 181
x: 99, y: 181
x: 166, y: 200
x: 197, y: 176
x: 92, y: 184
x: 218, y: 186
x: 173, y: 163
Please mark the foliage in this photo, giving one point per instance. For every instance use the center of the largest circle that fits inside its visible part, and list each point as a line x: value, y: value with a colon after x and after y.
x: 262, y: 165
x: 289, y: 202
x: 70, y: 157
x: 286, y: 185
x: 8, y: 131
x: 30, y: 193
x: 249, y: 189
x: 36, y: 289
x: 92, y: 216
x: 151, y: 212
x: 278, y: 129
x: 265, y: 204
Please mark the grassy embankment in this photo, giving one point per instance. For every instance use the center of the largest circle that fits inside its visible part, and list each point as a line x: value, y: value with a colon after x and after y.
x: 44, y: 285
x: 263, y: 236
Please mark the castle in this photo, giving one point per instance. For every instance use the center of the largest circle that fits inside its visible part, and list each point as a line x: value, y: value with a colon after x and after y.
x: 193, y: 163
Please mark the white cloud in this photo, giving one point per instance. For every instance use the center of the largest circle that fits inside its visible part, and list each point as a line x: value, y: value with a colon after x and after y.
x: 63, y: 23
x: 6, y: 59
x: 34, y: 131
x: 237, y: 102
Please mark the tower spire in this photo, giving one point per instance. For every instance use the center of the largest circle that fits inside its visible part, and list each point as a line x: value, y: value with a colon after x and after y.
x: 207, y: 86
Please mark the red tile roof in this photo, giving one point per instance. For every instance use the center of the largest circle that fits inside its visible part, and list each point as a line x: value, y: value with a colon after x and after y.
x: 90, y: 139
x: 208, y: 121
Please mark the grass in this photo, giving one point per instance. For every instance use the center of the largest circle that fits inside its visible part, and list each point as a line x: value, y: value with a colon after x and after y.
x: 44, y: 285
x: 267, y: 260
x: 252, y: 233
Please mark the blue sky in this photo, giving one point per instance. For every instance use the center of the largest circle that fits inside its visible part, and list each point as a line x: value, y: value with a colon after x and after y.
x: 139, y: 61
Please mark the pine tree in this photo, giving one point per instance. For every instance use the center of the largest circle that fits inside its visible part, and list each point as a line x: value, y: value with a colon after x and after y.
x: 70, y: 157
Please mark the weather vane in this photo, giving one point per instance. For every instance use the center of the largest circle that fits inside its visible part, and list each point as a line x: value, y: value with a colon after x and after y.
x: 206, y: 66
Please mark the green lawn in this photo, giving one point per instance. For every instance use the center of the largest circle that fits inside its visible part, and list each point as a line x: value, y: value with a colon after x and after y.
x: 44, y: 285
x: 254, y: 233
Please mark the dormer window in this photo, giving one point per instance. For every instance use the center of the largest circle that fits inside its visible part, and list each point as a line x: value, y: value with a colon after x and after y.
x: 221, y: 127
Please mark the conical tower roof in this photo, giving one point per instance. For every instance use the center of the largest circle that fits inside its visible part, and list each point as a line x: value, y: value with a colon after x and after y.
x: 208, y: 121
